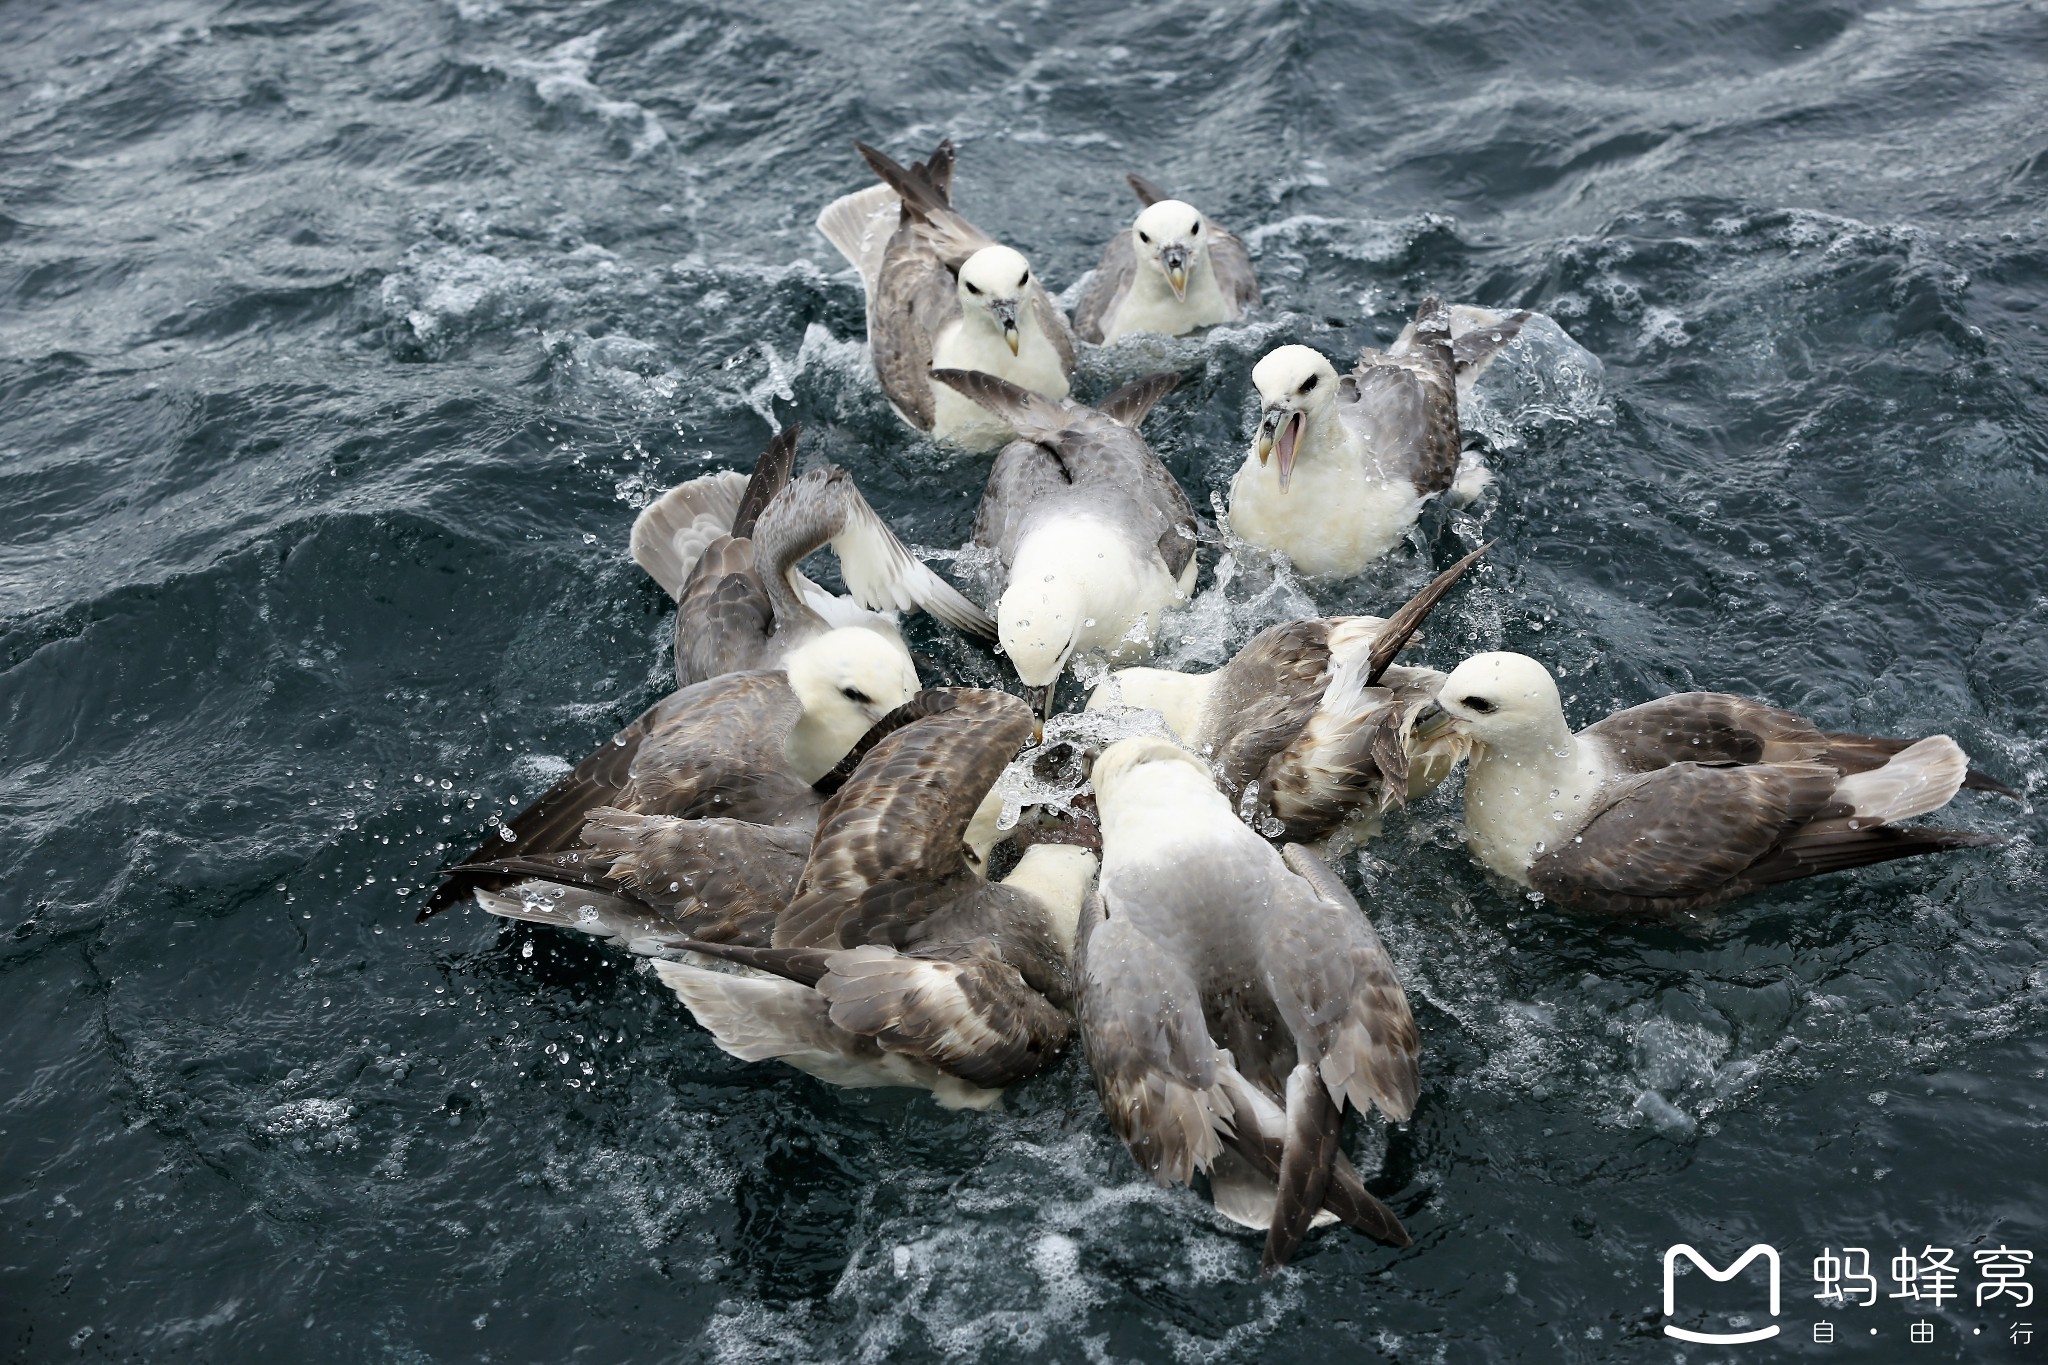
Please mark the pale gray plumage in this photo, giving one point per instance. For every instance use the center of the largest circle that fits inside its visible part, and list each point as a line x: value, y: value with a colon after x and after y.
x: 1224, y: 254
x: 729, y: 553
x: 911, y: 274
x: 1092, y: 533
x: 1210, y: 962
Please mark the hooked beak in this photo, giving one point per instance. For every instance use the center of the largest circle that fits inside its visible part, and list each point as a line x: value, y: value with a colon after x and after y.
x: 1433, y: 722
x: 1039, y: 699
x: 1174, y: 260
x: 1281, y: 429
x: 1005, y: 311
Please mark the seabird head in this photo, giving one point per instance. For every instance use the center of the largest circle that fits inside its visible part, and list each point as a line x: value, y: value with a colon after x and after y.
x: 1172, y: 238
x: 1038, y: 624
x: 1293, y: 382
x: 992, y: 286
x: 1121, y: 760
x: 1499, y: 699
x: 849, y: 678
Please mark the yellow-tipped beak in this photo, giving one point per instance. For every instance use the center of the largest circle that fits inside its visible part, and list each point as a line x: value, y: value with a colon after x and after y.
x: 1177, y: 276
x: 1010, y: 335
x: 1432, y: 721
x: 1265, y: 446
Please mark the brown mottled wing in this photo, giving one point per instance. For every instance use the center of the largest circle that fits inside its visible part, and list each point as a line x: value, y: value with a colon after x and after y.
x: 1155, y: 1066
x: 1112, y: 280
x: 717, y: 750
x: 723, y: 616
x: 890, y: 849
x: 1682, y: 834
x: 1405, y: 407
x: 962, y: 1008
x: 724, y: 880
x: 1232, y: 262
x: 552, y: 823
x: 1264, y: 698
x: 1337, y: 990
x: 1706, y: 727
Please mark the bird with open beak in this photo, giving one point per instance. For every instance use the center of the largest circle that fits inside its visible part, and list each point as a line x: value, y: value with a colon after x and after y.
x: 1340, y: 467
x: 1172, y: 271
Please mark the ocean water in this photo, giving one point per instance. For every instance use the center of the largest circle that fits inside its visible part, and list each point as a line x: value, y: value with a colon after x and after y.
x: 341, y: 340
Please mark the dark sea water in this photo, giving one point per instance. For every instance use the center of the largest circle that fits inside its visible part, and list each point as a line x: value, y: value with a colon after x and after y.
x: 340, y: 342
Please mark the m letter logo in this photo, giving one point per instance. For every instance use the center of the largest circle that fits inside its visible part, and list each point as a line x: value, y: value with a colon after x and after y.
x: 1770, y: 1256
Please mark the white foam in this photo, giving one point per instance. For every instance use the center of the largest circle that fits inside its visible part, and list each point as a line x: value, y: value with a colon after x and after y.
x: 562, y: 78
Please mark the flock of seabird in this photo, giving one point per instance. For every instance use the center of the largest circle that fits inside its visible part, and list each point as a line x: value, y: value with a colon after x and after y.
x: 802, y: 836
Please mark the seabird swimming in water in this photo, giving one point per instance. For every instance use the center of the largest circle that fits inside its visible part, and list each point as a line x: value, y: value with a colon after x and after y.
x: 1685, y: 802
x: 898, y: 962
x: 942, y: 294
x: 744, y: 747
x: 1341, y: 467
x: 1309, y: 727
x: 1094, y: 536
x: 1170, y: 272
x: 1234, y: 1000
x: 727, y: 549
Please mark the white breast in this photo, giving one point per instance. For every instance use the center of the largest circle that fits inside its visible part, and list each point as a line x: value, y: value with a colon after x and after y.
x: 1123, y: 589
x: 1149, y: 305
x: 1516, y: 811
x: 1333, y: 520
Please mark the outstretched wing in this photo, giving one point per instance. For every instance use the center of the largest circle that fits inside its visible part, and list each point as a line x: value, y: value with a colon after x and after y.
x: 890, y: 848
x: 1112, y: 280
x: 824, y: 506
x: 1681, y: 834
x: 1158, y: 1072
x: 672, y: 532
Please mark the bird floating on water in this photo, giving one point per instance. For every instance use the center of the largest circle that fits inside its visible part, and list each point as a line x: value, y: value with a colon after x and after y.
x: 942, y: 294
x: 897, y: 962
x: 744, y: 747
x: 1309, y: 727
x: 1234, y: 1001
x: 727, y: 548
x: 1094, y: 537
x: 1170, y: 272
x: 1684, y: 802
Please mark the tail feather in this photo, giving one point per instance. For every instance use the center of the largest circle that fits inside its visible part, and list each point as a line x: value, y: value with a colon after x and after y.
x: 771, y: 476
x: 671, y: 533
x: 925, y: 187
x: 1313, y: 1124
x: 1859, y: 753
x: 629, y: 924
x: 1257, y: 1139
x: 1147, y: 192
x: 805, y: 966
x: 1034, y: 416
x: 1922, y: 777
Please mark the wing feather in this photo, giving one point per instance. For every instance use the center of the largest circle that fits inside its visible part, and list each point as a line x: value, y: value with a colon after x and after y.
x: 1106, y: 290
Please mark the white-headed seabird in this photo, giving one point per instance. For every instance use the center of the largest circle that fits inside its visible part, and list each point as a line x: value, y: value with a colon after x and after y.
x: 727, y: 547
x: 1310, y: 726
x: 1234, y: 1000
x: 1170, y: 272
x: 1684, y: 802
x: 743, y: 747
x: 942, y: 294
x: 897, y: 962
x: 1341, y: 467
x: 1094, y: 536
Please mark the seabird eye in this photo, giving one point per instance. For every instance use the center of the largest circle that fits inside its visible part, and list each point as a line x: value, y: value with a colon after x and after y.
x: 855, y: 695
x: 1196, y: 230
x: 1479, y: 704
x: 972, y: 288
x: 1145, y: 238
x: 1308, y: 383
x: 1023, y: 279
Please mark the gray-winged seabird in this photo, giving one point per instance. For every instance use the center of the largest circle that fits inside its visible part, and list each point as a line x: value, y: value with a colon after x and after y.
x: 1170, y: 272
